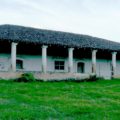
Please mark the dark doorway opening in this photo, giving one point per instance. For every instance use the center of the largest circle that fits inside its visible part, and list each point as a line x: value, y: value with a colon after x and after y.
x: 80, y: 67
x: 19, y: 64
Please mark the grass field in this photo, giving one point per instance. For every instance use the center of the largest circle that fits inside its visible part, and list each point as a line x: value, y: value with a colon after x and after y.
x: 60, y: 100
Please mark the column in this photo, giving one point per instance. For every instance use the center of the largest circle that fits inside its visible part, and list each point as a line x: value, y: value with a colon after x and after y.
x: 94, y: 61
x: 13, y: 56
x: 44, y: 58
x: 70, y: 60
x: 113, y: 63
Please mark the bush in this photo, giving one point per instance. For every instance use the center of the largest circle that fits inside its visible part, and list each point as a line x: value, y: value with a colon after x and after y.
x: 93, y: 78
x: 26, y: 77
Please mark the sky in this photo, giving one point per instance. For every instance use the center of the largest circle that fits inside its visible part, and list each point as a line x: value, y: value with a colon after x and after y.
x: 99, y: 18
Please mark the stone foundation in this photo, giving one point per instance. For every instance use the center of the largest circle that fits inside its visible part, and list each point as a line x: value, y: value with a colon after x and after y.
x: 46, y: 76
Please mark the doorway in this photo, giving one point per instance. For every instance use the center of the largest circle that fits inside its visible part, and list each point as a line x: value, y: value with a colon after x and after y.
x: 19, y: 64
x: 80, y: 67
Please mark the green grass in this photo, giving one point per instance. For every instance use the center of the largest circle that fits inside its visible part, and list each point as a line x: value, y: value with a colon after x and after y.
x: 60, y: 100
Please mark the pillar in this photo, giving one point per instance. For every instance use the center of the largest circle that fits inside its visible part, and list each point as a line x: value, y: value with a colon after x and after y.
x: 113, y: 63
x: 70, y: 60
x: 13, y: 56
x: 94, y: 61
x: 44, y: 58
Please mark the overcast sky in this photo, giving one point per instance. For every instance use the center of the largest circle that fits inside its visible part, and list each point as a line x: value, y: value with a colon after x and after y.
x: 100, y: 18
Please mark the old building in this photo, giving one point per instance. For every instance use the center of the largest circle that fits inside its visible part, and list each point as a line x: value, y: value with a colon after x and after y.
x: 30, y: 49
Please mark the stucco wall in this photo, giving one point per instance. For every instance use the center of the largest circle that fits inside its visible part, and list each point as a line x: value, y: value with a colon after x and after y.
x: 5, y: 62
x: 33, y: 63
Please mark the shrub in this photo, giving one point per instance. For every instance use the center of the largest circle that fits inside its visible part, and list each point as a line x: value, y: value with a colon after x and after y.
x: 93, y: 78
x: 26, y: 77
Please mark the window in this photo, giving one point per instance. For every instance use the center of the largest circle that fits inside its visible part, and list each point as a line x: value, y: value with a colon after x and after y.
x: 59, y: 65
x: 19, y: 64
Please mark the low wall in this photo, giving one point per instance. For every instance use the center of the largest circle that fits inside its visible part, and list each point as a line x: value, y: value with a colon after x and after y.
x: 47, y: 76
x: 117, y: 76
x: 61, y: 76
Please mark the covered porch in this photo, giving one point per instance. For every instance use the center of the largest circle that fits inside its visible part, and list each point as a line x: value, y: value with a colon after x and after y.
x: 27, y: 57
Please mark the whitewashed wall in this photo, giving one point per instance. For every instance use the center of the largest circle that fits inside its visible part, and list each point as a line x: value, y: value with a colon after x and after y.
x: 103, y: 68
x: 5, y: 62
x: 33, y: 63
x: 118, y: 68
